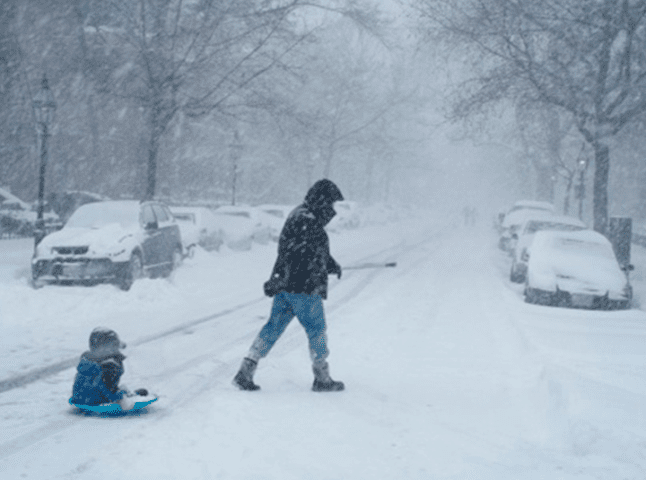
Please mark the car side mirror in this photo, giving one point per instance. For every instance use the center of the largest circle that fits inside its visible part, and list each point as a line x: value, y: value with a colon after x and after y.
x: 151, y: 226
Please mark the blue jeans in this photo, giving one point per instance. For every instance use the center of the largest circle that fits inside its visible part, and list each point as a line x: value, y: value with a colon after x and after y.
x: 309, y: 311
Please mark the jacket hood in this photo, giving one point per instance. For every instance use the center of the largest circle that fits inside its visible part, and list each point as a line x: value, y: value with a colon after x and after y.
x: 320, y: 198
x: 323, y: 192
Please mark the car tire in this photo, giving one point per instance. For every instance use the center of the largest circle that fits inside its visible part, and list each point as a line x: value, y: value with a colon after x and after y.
x: 133, y: 271
x: 515, y: 276
x: 538, y: 297
x: 175, y: 262
x: 178, y: 258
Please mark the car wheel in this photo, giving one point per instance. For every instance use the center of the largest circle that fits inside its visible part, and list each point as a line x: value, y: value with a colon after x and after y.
x: 176, y: 261
x: 530, y: 296
x: 515, y: 276
x: 538, y: 297
x: 178, y: 258
x: 623, y: 304
x: 133, y: 271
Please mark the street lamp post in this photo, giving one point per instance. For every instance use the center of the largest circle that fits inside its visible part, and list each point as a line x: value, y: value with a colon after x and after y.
x: 236, y: 153
x: 580, y: 188
x: 44, y: 109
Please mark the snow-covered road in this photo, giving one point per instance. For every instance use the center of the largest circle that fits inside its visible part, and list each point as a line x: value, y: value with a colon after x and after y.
x: 449, y: 375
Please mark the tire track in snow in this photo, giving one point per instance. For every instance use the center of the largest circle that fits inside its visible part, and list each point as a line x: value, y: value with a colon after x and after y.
x: 48, y: 371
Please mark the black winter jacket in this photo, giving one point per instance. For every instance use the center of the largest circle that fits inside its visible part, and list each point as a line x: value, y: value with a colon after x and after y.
x: 304, y: 259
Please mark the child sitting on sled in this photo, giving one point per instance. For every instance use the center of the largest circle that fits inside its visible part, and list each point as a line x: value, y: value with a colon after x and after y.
x: 99, y: 371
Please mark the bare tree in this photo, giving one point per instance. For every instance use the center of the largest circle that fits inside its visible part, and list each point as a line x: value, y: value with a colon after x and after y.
x: 587, y: 58
x: 170, y: 56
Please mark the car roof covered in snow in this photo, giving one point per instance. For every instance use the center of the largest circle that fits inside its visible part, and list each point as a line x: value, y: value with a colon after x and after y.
x: 554, y: 219
x: 519, y: 217
x: 547, y: 239
x: 535, y: 204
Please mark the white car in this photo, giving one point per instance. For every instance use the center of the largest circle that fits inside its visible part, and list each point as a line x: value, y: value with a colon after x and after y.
x: 523, y: 239
x: 199, y: 226
x: 347, y: 216
x: 531, y: 205
x: 259, y: 221
x: 113, y: 241
x: 276, y: 216
x: 576, y: 269
x: 515, y: 218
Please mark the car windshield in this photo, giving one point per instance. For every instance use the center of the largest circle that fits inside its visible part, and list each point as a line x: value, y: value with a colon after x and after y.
x: 533, y: 227
x: 100, y: 214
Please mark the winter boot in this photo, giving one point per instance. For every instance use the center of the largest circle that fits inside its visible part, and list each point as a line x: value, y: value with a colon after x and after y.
x: 244, y: 378
x: 322, y: 380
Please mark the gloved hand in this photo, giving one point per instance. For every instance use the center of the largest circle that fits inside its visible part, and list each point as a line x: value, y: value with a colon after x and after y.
x: 273, y: 286
x: 126, y: 403
x: 335, y: 269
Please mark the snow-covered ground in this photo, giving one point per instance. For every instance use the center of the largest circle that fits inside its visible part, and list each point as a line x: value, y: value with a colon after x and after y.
x: 448, y: 373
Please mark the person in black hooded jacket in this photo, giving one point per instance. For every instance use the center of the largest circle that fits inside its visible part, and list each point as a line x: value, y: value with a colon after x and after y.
x: 298, y: 284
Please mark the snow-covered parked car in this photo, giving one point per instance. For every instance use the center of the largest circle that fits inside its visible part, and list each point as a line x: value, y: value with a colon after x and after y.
x: 519, y: 214
x: 114, y: 241
x: 576, y: 269
x: 198, y: 226
x: 347, y: 216
x: 259, y: 221
x: 66, y: 202
x: 523, y: 239
x: 236, y: 232
x: 276, y: 216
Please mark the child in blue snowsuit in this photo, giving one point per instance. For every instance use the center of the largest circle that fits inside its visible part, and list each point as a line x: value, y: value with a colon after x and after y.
x: 100, y: 369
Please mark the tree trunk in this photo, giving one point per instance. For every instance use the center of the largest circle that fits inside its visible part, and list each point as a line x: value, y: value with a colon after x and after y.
x: 327, y: 164
x: 151, y: 173
x: 601, y: 175
x: 641, y: 205
x: 568, y: 194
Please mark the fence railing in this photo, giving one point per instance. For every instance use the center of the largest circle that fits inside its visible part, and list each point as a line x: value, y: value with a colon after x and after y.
x: 13, y: 235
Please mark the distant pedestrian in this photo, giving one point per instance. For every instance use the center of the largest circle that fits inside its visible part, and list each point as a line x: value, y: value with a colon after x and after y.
x: 298, y: 285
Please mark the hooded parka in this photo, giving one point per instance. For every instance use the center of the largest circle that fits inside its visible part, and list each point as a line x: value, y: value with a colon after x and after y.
x: 304, y: 261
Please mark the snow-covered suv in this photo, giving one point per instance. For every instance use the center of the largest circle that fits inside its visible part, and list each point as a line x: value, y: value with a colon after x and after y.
x: 112, y: 241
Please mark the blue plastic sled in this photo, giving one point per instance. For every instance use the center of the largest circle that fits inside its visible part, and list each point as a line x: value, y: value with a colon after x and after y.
x: 112, y: 408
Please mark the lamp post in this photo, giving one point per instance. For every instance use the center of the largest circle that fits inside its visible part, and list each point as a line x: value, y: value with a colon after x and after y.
x: 44, y: 109
x: 236, y: 153
x: 580, y: 188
